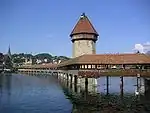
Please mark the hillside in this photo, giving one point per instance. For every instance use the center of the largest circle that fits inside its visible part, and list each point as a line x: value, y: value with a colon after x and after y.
x: 38, y: 58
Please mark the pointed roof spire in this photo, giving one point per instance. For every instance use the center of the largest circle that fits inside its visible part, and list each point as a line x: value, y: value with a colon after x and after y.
x: 9, y: 52
x: 84, y: 26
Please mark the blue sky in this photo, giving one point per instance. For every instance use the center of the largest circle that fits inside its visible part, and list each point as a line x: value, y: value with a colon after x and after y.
x: 44, y: 25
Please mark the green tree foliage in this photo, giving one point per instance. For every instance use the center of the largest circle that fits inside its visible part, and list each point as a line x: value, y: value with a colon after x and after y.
x: 20, y: 58
x: 8, y: 62
x: 43, y: 56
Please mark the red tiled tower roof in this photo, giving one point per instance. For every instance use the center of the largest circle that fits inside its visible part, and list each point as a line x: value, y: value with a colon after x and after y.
x: 83, y: 26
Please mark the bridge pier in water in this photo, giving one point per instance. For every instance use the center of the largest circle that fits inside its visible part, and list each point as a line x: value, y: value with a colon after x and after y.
x: 121, y: 86
x: 83, y: 83
x: 78, y: 83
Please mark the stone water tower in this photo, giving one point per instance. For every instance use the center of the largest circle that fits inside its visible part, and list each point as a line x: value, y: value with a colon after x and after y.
x: 84, y: 37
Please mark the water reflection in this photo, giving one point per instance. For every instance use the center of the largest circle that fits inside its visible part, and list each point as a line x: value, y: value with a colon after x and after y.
x: 32, y: 94
x: 116, y: 101
x: 47, y: 94
x: 129, y: 84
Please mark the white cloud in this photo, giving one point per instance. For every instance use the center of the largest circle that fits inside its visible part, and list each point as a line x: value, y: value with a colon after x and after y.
x: 139, y: 47
x: 142, y: 48
x: 146, y: 46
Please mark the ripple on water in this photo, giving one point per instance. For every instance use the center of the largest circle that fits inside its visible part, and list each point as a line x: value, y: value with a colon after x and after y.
x: 32, y: 94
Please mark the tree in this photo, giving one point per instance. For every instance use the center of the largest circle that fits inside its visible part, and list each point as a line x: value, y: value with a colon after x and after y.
x: 8, y: 62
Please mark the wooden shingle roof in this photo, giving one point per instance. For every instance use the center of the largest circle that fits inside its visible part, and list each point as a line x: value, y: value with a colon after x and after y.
x: 109, y: 59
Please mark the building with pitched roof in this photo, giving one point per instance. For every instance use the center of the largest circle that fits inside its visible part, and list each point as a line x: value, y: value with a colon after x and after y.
x: 83, y: 37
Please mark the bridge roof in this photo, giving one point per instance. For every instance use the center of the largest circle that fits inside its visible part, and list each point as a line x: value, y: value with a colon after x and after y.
x: 39, y: 66
x: 109, y: 59
x: 83, y: 26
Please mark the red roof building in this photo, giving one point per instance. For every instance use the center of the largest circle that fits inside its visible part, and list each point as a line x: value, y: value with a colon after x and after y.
x: 83, y: 37
x: 84, y: 26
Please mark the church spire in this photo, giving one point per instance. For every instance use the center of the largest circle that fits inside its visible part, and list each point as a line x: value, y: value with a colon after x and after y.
x: 9, y: 52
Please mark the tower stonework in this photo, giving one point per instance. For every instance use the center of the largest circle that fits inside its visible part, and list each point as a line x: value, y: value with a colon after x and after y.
x: 84, y: 37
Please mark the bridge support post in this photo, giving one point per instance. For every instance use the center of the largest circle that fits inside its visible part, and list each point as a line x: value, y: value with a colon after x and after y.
x: 63, y: 76
x: 70, y: 81
x: 95, y: 84
x: 138, y: 83
x: 73, y: 78
x: 107, y: 84
x: 82, y: 83
x: 75, y: 83
x: 78, y: 84
x: 58, y: 75
x: 121, y: 86
x: 86, y: 84
x: 66, y: 76
x: 92, y: 85
x: 86, y: 87
x: 67, y: 79
x: 142, y: 85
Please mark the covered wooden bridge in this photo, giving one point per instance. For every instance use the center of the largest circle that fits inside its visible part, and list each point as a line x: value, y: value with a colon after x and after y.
x: 42, y: 68
x: 109, y: 64
x: 99, y: 65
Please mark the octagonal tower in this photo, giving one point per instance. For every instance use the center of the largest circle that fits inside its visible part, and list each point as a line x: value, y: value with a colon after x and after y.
x: 84, y: 37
